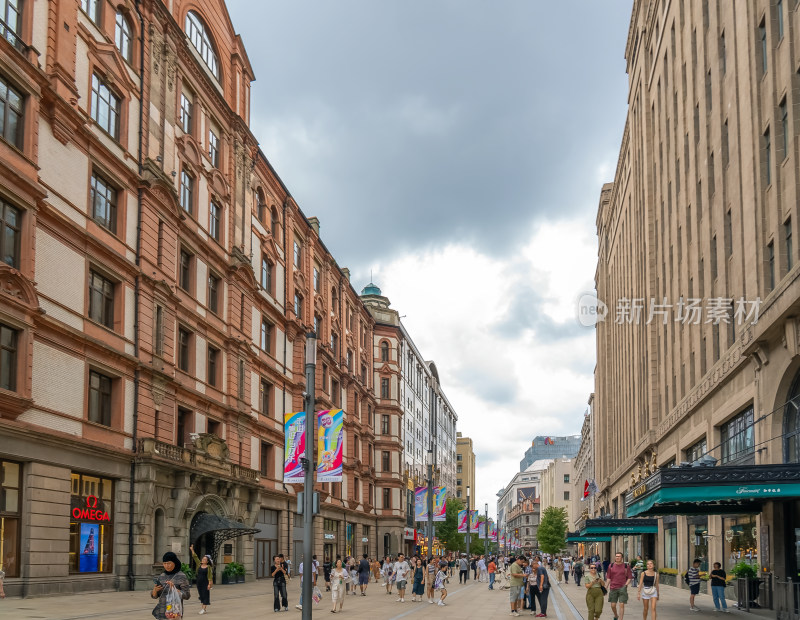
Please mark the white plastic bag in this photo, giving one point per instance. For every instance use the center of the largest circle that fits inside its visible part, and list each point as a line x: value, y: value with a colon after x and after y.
x: 174, y: 600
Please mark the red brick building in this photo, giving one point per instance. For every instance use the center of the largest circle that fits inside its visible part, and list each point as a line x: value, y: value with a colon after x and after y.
x: 158, y: 280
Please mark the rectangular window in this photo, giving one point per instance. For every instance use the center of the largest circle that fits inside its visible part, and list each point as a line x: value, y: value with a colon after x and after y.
x: 91, y: 541
x: 10, y: 512
x: 714, y: 257
x: 100, y: 398
x: 185, y: 280
x: 771, y: 265
x: 184, y: 342
x: 671, y: 547
x: 92, y: 9
x: 725, y: 150
x: 10, y: 234
x: 779, y: 12
x: 324, y: 377
x: 101, y: 299
x: 213, y: 293
x: 213, y: 365
x: 787, y: 231
x: 728, y: 233
x: 298, y: 254
x: 160, y: 249
x: 316, y: 279
x: 767, y: 158
x: 266, y: 274
x: 105, y: 107
x: 336, y: 393
x: 566, y: 495
x: 240, y: 382
x: 384, y: 424
x: 159, y: 331
x: 267, y: 459
x: 762, y: 36
x: 8, y: 358
x: 384, y: 387
x: 265, y: 396
x: 184, y: 426
x: 385, y: 461
x: 213, y: 148
x: 214, y: 220
x: 738, y: 439
x: 335, y: 344
x: 784, y: 114
x: 187, y: 191
x: 266, y: 335
x: 298, y: 305
x: 696, y: 450
x: 566, y: 478
x: 722, y: 54
x: 215, y: 428
x: 11, y: 112
x: 186, y: 114
x: 387, y: 498
x: 349, y: 360
x: 317, y: 325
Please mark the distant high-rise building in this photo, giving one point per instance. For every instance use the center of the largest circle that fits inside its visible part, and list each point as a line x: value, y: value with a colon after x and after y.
x: 465, y: 468
x: 547, y: 447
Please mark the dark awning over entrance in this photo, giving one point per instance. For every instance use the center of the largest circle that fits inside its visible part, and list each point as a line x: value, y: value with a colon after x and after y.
x: 221, y: 528
x: 713, y: 490
x: 619, y: 527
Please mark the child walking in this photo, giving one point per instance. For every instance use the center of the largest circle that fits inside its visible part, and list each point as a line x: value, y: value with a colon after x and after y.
x: 441, y: 583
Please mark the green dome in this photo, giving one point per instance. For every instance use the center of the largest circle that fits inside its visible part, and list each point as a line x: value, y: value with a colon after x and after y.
x: 370, y: 289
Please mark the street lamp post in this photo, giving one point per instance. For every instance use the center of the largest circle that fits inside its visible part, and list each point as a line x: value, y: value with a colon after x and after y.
x: 486, y: 533
x: 430, y: 502
x: 308, y: 481
x: 468, y: 520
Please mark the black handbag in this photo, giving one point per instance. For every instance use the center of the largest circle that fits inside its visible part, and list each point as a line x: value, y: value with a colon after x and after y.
x: 603, y: 589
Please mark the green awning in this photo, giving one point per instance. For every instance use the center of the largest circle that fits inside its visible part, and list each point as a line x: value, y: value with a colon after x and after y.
x: 588, y: 539
x: 729, y: 497
x: 622, y: 530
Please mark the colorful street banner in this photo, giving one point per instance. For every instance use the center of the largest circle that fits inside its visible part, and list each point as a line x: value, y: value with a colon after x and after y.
x: 330, y: 435
x: 473, y: 522
x: 462, y: 521
x: 493, y: 533
x: 439, y: 507
x: 421, y: 504
x: 482, y: 529
x: 294, y: 430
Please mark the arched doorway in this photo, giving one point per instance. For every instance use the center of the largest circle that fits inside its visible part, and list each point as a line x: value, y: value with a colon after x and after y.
x: 791, y: 423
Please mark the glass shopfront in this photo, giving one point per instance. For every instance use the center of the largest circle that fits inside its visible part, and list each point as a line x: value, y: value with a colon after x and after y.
x: 91, y: 528
x: 671, y: 547
x: 10, y: 506
x: 350, y: 538
x: 698, y: 540
x: 740, y: 540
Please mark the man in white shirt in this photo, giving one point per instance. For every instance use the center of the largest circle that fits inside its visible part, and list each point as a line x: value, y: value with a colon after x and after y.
x: 313, y: 579
x: 484, y: 576
x: 401, y: 570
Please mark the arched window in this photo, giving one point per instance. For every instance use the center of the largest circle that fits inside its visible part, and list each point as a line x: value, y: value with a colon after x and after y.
x: 791, y: 424
x: 201, y: 39
x: 384, y: 351
x: 274, y: 222
x: 123, y: 36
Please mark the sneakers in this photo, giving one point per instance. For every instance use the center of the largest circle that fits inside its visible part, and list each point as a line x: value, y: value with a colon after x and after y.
x: 298, y: 606
x: 431, y: 601
x: 399, y: 600
x: 402, y: 600
x: 694, y: 609
x: 202, y: 611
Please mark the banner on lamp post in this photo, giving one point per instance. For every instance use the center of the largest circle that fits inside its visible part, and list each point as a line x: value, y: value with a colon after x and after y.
x: 462, y: 521
x: 421, y: 504
x: 294, y: 430
x: 330, y: 435
x: 439, y: 504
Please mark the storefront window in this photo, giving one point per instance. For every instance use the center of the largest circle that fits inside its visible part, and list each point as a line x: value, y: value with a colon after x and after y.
x: 741, y: 543
x: 698, y: 541
x: 350, y: 538
x: 91, y: 529
x: 671, y: 548
x: 10, y: 503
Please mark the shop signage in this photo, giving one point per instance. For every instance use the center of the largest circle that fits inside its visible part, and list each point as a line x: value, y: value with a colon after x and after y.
x: 91, y: 513
x: 330, y: 536
x: 408, y: 533
x: 365, y: 540
x: 729, y: 535
x: 639, y: 491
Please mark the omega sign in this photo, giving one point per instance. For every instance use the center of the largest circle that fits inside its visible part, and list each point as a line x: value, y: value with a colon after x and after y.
x: 639, y: 491
x: 91, y: 513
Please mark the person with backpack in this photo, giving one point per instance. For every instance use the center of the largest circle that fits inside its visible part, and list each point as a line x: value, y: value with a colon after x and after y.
x: 618, y: 578
x: 577, y: 571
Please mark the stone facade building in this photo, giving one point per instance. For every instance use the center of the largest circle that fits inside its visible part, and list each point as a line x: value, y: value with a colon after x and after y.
x: 465, y: 468
x: 696, y: 395
x: 557, y: 484
x: 158, y: 282
x: 412, y: 409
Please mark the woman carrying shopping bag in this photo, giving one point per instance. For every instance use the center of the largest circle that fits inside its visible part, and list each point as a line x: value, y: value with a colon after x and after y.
x: 171, y: 589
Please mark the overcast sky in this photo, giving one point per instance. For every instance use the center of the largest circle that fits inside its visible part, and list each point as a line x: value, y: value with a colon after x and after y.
x: 456, y: 150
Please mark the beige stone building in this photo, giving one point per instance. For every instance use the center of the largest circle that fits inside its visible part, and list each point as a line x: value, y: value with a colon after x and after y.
x: 696, y: 232
x: 557, y: 486
x: 465, y: 469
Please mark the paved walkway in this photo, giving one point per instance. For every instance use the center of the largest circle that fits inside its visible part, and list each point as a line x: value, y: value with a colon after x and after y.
x: 254, y: 600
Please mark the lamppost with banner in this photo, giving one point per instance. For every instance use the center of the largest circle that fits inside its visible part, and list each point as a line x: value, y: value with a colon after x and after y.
x: 468, y: 524
x: 308, y: 481
x: 486, y: 533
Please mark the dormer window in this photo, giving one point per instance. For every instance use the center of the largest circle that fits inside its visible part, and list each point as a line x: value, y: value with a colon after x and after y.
x: 200, y: 38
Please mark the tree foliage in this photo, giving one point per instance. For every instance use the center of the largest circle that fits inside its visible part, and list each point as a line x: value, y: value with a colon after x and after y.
x: 447, y: 531
x: 552, y: 533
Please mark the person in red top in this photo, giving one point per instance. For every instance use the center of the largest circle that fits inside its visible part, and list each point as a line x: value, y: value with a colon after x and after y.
x: 492, y: 568
x: 618, y: 577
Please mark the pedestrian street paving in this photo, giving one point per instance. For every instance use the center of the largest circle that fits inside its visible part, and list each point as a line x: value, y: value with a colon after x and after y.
x: 254, y: 600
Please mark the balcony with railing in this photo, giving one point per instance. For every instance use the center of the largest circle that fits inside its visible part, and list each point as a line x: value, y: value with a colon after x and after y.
x: 11, y: 36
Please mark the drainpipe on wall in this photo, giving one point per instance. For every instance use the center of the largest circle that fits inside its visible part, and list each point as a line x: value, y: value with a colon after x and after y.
x: 134, y: 438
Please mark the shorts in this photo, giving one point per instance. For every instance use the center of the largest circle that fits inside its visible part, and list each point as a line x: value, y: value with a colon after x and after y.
x: 363, y: 579
x: 620, y: 595
x: 646, y: 596
x: 515, y: 593
x: 694, y: 588
x: 401, y: 584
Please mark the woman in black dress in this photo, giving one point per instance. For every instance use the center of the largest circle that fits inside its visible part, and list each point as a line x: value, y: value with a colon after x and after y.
x: 205, y: 578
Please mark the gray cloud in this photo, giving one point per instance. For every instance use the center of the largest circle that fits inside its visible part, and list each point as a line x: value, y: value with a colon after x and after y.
x: 402, y: 125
